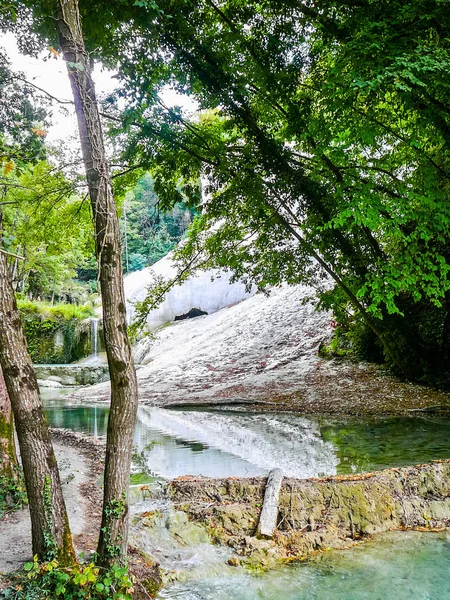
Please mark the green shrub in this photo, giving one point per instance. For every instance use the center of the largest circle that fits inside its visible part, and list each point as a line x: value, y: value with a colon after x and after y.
x: 56, y: 311
x: 12, y: 493
x: 42, y: 581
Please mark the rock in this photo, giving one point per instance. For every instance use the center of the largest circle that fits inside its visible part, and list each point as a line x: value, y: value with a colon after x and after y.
x: 209, y: 290
x: 71, y: 375
x: 319, y: 513
x: 49, y: 383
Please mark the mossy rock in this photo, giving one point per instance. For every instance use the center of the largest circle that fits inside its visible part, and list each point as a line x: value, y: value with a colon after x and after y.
x: 57, y: 334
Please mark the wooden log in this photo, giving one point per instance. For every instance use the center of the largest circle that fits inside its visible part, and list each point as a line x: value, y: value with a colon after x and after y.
x: 269, y: 513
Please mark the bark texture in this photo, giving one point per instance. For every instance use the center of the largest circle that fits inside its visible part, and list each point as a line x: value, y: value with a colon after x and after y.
x: 269, y: 513
x: 8, y: 458
x: 49, y: 524
x: 114, y: 529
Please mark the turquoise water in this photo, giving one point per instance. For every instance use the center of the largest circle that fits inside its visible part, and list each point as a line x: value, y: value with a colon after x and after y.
x: 240, y: 444
x: 396, y: 566
x: 92, y: 420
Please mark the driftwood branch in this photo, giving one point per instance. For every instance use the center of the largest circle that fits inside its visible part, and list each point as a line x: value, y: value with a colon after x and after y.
x: 12, y: 254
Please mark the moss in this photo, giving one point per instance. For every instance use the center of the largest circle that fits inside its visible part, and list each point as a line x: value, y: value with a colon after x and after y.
x: 152, y: 586
x: 318, y: 514
x: 44, y: 324
x: 66, y: 553
x: 148, y: 575
x: 8, y: 467
x: 12, y: 485
x: 6, y: 427
x: 141, y: 478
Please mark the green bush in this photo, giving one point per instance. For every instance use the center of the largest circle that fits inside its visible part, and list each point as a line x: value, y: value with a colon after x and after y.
x: 55, y: 311
x: 42, y: 581
x: 12, y: 493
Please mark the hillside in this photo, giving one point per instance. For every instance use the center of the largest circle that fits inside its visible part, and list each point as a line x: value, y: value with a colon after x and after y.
x: 263, y: 349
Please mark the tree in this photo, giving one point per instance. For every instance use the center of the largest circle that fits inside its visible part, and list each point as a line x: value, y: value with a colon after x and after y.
x: 46, y: 223
x: 21, y: 119
x: 60, y: 20
x: 325, y: 148
x: 50, y: 529
x: 151, y: 232
x: 112, y: 545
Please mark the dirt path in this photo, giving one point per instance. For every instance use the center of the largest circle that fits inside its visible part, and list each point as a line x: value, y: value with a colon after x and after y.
x: 80, y: 462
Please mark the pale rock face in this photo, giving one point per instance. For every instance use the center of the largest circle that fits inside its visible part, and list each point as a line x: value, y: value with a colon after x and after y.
x: 208, y: 291
x: 249, y: 351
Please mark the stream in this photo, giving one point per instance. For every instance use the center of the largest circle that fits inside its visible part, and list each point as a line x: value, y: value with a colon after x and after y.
x: 232, y: 443
x: 396, y: 566
x: 223, y: 443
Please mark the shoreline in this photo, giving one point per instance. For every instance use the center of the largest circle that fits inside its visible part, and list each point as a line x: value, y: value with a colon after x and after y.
x: 332, y: 388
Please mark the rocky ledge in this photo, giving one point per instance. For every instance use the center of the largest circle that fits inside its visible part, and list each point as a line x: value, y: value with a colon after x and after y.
x: 316, y: 514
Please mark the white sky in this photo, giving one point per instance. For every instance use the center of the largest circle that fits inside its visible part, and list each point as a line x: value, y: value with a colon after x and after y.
x: 51, y: 75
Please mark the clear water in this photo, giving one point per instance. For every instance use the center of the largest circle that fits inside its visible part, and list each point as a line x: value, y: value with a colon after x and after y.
x: 240, y: 444
x: 374, y: 444
x: 396, y: 566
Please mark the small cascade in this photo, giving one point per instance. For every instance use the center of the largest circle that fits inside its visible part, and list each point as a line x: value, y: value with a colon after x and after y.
x: 94, y: 336
x: 96, y: 356
x: 183, y: 549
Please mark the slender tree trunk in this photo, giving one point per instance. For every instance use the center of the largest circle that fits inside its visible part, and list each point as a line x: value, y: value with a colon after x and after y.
x: 112, y: 546
x: 49, y: 524
x: 8, y: 457
x: 445, y: 345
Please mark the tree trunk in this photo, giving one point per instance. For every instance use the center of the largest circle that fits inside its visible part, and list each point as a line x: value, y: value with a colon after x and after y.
x: 269, y: 513
x: 8, y: 458
x: 445, y: 344
x: 50, y: 530
x: 112, y: 546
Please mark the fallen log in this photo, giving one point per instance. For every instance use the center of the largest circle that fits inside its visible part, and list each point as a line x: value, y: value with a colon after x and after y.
x: 269, y: 514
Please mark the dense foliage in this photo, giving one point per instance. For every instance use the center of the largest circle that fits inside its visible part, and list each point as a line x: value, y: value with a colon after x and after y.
x: 50, y: 580
x: 22, y: 122
x: 49, y: 226
x: 324, y: 148
x: 322, y: 144
x: 149, y: 233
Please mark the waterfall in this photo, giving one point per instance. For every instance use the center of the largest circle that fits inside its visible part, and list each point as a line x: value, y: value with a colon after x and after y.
x: 94, y: 337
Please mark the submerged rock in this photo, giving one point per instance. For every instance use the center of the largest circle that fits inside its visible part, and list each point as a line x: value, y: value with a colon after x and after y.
x: 49, y: 383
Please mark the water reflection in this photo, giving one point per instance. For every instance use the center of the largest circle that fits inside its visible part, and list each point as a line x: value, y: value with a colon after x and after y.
x: 377, y: 443
x: 240, y: 444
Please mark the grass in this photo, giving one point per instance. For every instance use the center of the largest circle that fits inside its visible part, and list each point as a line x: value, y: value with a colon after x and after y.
x: 56, y: 311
